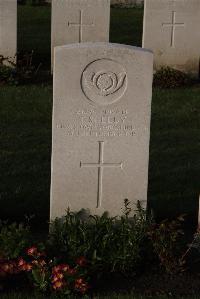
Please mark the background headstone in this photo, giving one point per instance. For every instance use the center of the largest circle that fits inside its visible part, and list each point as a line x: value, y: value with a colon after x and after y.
x: 8, y: 28
x: 121, y: 3
x: 171, y: 30
x: 75, y: 21
x: 101, y: 127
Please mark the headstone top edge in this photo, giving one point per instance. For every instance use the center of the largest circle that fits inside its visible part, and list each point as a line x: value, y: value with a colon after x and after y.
x: 99, y: 45
x: 78, y: 1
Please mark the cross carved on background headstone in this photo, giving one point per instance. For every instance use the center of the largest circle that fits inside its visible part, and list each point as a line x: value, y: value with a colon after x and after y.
x: 173, y: 26
x: 80, y: 24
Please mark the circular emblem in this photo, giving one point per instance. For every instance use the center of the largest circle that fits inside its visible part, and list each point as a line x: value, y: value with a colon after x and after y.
x: 104, y: 81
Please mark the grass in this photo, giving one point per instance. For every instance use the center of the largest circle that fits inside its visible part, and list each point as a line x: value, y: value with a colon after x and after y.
x: 126, y: 26
x: 34, y: 30
x: 22, y: 296
x: 174, y: 152
x: 111, y: 296
x: 25, y: 136
x: 25, y: 151
x: 37, y: 296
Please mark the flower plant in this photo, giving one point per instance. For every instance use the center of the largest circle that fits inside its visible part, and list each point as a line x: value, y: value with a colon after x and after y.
x: 50, y: 276
x: 80, y: 249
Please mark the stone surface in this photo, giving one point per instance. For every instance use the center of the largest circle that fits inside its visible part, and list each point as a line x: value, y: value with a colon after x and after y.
x: 75, y: 21
x: 8, y: 28
x: 101, y: 127
x: 171, y: 30
x: 121, y: 3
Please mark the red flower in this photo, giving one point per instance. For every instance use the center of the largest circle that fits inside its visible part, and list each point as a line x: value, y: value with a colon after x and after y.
x: 58, y: 285
x: 64, y: 267
x: 32, y: 251
x: 5, y: 267
x: 28, y: 267
x: 79, y: 281
x: 81, y: 285
x: 21, y: 264
x: 81, y: 261
x: 59, y: 276
x: 57, y: 269
x: 24, y: 266
x: 54, y: 278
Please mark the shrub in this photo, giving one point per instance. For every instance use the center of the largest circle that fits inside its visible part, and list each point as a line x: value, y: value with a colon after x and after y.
x: 82, y: 247
x: 14, y: 238
x: 7, y: 75
x: 18, y: 73
x: 196, y: 241
x: 166, y: 242
x: 109, y: 243
x: 168, y: 77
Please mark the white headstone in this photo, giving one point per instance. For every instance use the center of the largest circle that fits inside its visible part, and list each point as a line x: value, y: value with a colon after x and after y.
x: 76, y: 21
x: 101, y: 127
x: 171, y: 30
x: 8, y: 29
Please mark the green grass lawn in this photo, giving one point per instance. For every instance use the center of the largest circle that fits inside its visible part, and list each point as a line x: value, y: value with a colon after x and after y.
x: 25, y: 136
x: 34, y: 30
x: 37, y: 296
x: 175, y: 152
x: 111, y: 296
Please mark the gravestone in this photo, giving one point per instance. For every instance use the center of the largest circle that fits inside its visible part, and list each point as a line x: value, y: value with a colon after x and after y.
x: 8, y: 29
x: 171, y: 30
x: 76, y: 21
x: 101, y: 127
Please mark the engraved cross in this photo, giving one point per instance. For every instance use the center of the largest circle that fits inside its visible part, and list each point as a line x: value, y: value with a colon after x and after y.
x: 173, y: 26
x: 101, y: 165
x: 80, y: 25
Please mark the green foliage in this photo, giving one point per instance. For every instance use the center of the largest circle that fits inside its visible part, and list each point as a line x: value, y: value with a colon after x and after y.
x: 18, y: 73
x: 166, y: 242
x: 6, y: 75
x: 7, y: 71
x: 32, y: 2
x: 14, y: 238
x: 167, y: 77
x: 41, y: 279
x: 110, y: 243
x: 196, y: 241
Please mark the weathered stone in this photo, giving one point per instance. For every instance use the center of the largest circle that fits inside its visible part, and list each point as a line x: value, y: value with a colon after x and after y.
x: 101, y: 127
x: 8, y: 29
x: 121, y: 3
x: 76, y: 21
x: 171, y: 30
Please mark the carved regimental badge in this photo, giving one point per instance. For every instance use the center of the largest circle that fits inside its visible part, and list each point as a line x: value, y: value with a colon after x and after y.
x: 104, y: 81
